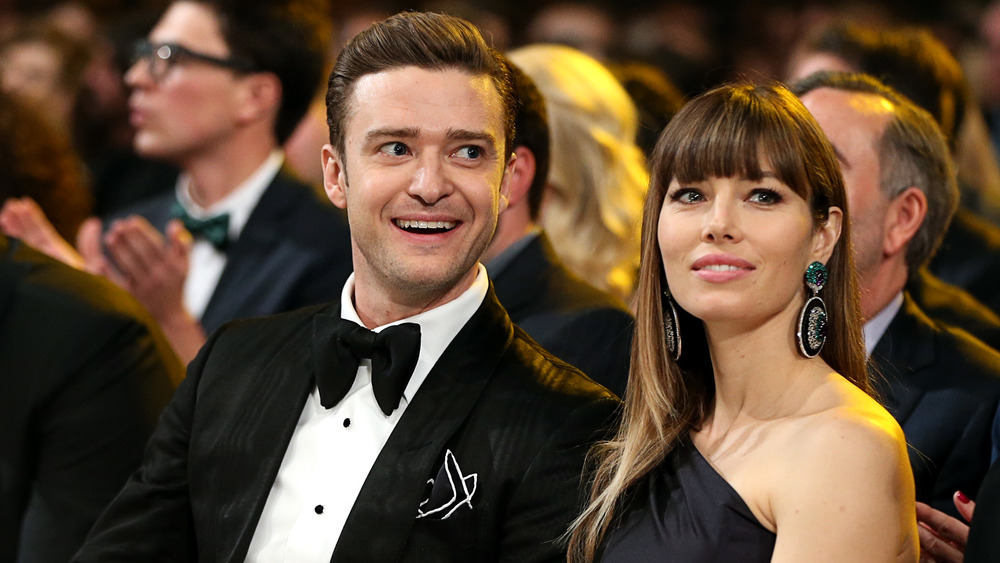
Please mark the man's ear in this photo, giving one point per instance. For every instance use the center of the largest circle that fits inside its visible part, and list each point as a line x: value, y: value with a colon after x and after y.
x: 334, y: 176
x: 505, y: 182
x: 826, y: 236
x: 903, y: 218
x: 260, y: 97
x: 522, y: 175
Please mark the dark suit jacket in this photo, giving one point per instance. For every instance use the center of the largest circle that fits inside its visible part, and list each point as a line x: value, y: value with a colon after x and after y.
x: 577, y: 322
x: 969, y: 257
x: 984, y: 541
x: 954, y: 306
x: 295, y: 250
x: 943, y: 387
x: 84, y: 372
x: 510, y: 412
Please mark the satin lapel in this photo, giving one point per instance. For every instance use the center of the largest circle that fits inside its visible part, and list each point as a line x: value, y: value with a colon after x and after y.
x: 380, y: 522
x: 901, y: 358
x: 273, y: 407
x: 244, y: 258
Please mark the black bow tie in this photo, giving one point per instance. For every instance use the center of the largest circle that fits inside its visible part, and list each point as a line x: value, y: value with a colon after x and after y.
x: 214, y: 229
x: 339, y: 347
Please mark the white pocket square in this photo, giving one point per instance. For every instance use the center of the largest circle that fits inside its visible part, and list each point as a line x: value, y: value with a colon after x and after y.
x: 448, y: 491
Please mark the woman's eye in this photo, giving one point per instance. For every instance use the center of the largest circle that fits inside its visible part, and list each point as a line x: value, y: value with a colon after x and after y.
x: 394, y: 149
x: 470, y: 152
x: 765, y: 196
x: 687, y: 195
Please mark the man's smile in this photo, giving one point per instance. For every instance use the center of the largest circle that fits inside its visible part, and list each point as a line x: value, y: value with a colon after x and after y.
x: 425, y: 227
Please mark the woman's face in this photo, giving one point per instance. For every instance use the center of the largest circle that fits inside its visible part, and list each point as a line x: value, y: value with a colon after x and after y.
x: 31, y: 70
x: 736, y: 249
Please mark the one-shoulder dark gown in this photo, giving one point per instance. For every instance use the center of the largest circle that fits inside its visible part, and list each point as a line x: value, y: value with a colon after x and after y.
x: 687, y: 513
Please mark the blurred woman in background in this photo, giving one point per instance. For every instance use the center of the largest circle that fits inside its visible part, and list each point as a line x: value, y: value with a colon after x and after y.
x: 597, y: 176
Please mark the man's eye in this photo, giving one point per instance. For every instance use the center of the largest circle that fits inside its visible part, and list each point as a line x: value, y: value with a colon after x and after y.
x: 394, y: 149
x: 471, y: 152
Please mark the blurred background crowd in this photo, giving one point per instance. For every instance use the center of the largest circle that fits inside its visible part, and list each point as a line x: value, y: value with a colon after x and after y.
x: 70, y: 57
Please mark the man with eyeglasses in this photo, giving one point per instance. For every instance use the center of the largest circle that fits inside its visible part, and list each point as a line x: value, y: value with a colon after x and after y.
x: 216, y: 88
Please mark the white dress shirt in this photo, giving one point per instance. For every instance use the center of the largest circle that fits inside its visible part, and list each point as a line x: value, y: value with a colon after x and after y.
x: 332, y: 450
x: 205, y: 261
x: 877, y: 325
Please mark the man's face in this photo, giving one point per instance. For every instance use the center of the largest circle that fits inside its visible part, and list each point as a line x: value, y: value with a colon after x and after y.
x: 854, y: 123
x: 423, y: 178
x: 192, y: 107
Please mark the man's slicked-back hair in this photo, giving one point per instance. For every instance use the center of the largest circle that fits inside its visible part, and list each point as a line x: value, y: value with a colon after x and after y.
x: 912, y: 152
x: 422, y: 39
x: 287, y: 38
x: 531, y: 123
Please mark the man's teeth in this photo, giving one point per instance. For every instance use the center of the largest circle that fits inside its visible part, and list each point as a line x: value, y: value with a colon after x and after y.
x: 722, y: 268
x: 425, y: 224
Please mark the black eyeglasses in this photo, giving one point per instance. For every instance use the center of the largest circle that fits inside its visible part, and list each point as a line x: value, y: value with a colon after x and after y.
x: 162, y: 56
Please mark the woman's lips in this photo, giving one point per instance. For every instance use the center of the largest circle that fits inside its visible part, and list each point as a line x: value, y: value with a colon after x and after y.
x: 721, y: 268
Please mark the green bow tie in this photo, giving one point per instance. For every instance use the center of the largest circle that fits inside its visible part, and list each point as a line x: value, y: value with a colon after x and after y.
x: 214, y: 229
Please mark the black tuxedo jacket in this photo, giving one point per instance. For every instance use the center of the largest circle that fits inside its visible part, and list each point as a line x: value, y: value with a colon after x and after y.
x: 943, y: 387
x: 969, y: 257
x: 577, y: 322
x: 295, y: 250
x: 84, y: 372
x: 507, y: 410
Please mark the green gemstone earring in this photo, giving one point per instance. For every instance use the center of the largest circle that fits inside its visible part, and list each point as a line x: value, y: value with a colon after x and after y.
x: 811, y: 333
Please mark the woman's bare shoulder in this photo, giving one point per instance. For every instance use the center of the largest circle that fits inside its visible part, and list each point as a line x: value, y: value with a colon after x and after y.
x: 846, y: 472
x: 853, y: 420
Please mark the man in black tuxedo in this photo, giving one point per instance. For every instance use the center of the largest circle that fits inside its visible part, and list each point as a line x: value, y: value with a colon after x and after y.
x: 941, y: 384
x: 446, y: 435
x: 84, y: 373
x: 216, y: 88
x: 587, y: 327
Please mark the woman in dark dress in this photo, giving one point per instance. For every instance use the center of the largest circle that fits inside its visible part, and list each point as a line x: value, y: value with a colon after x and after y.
x: 748, y: 433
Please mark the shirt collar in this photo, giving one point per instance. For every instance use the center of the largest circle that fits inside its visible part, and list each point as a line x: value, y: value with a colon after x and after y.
x: 877, y: 325
x: 438, y: 326
x: 241, y: 201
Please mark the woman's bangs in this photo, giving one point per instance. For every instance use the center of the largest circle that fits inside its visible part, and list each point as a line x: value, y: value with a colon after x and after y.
x: 742, y: 137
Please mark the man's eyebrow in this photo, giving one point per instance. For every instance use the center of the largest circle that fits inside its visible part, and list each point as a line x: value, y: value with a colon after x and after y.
x: 399, y: 133
x: 466, y: 135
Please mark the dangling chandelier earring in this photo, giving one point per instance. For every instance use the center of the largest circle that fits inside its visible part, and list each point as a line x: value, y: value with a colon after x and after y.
x: 671, y: 326
x: 811, y: 333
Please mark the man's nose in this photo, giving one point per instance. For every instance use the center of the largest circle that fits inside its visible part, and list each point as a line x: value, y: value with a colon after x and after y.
x: 429, y: 183
x: 139, y: 74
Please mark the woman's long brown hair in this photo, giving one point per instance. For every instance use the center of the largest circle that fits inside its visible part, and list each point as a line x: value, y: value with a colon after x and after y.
x: 730, y: 131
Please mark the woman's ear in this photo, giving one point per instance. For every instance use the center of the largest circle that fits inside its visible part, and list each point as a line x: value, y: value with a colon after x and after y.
x: 826, y: 236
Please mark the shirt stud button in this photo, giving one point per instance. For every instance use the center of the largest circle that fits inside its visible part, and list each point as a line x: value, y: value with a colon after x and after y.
x: 347, y: 422
x: 319, y: 509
